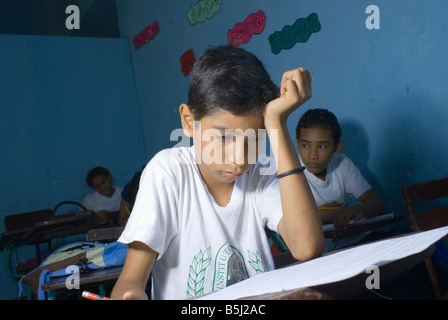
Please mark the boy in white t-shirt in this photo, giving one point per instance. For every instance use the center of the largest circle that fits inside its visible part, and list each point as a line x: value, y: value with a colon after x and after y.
x: 199, y: 217
x: 331, y: 175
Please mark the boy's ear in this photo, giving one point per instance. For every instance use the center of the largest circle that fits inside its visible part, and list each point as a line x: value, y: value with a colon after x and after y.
x: 187, y: 120
x: 339, y: 145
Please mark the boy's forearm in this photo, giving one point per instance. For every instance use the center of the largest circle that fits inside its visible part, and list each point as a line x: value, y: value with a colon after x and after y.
x: 372, y: 204
x: 373, y: 207
x: 123, y: 286
x: 326, y: 216
x: 301, y: 227
x: 282, y: 146
x: 136, y: 271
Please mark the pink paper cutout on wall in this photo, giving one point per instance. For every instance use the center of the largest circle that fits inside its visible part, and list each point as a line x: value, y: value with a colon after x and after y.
x: 242, y: 32
x: 146, y: 35
x: 187, y: 62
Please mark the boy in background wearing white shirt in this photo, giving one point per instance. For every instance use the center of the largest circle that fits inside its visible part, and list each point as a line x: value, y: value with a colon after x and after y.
x: 199, y: 217
x: 332, y: 175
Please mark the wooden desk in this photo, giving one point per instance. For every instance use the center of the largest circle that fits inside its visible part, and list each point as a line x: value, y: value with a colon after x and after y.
x: 18, y: 224
x: 345, y: 289
x: 93, y: 277
x: 65, y: 225
x: 9, y: 237
x: 295, y: 294
x: 338, y: 234
x: 391, y: 256
x: 361, y: 227
x: 342, y: 289
x: 86, y: 279
x: 96, y: 277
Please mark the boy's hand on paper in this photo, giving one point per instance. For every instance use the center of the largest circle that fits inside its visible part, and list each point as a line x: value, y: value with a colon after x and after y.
x: 295, y: 90
x: 344, y: 214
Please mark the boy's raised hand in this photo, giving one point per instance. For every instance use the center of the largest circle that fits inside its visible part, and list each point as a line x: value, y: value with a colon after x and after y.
x: 295, y: 90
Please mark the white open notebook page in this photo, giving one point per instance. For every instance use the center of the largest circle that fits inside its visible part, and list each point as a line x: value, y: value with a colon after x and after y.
x: 333, y: 267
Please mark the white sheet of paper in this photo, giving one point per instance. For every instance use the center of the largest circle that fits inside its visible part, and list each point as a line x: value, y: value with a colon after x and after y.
x: 331, y: 268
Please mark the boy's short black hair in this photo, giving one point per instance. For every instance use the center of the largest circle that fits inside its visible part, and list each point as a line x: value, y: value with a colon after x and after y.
x: 96, y: 172
x: 231, y: 79
x: 320, y: 118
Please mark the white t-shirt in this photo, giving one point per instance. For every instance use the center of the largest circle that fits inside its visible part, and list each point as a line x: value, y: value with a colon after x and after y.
x: 96, y: 201
x: 343, y: 178
x: 202, y: 246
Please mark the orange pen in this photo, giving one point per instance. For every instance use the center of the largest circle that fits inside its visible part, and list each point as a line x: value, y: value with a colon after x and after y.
x: 93, y: 296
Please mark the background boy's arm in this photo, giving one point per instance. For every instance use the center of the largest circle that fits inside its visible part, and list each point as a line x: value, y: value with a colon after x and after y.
x: 125, y: 211
x: 300, y: 226
x: 329, y: 210
x: 370, y: 205
x: 135, y: 274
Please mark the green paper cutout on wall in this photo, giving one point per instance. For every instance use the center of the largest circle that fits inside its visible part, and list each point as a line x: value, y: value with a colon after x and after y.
x: 203, y: 10
x: 300, y: 31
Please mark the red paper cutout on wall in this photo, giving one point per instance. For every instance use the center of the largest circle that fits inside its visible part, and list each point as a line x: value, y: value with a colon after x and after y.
x: 187, y: 62
x: 146, y: 35
x: 242, y: 32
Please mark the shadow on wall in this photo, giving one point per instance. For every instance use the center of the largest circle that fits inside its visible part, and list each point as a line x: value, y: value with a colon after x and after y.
x: 356, y: 147
x: 400, y: 161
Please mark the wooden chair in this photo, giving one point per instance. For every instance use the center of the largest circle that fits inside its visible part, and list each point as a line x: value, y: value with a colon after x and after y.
x: 422, y: 220
x: 16, y: 226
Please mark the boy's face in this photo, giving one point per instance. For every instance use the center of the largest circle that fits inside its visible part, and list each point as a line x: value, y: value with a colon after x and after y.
x: 226, y: 145
x: 102, y: 184
x: 316, y: 147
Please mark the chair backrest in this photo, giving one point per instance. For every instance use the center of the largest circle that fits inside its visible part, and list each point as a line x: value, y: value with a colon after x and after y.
x: 427, y: 219
x: 422, y: 192
x: 27, y: 220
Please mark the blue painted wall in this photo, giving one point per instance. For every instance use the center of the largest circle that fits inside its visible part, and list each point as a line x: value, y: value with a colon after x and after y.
x: 388, y: 86
x: 67, y: 105
x: 70, y: 104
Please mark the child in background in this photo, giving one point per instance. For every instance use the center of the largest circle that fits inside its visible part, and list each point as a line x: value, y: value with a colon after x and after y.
x: 332, y: 175
x: 106, y: 197
x: 199, y: 216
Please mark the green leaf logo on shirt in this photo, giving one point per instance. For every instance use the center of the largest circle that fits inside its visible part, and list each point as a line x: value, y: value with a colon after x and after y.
x: 196, y: 276
x: 256, y: 261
